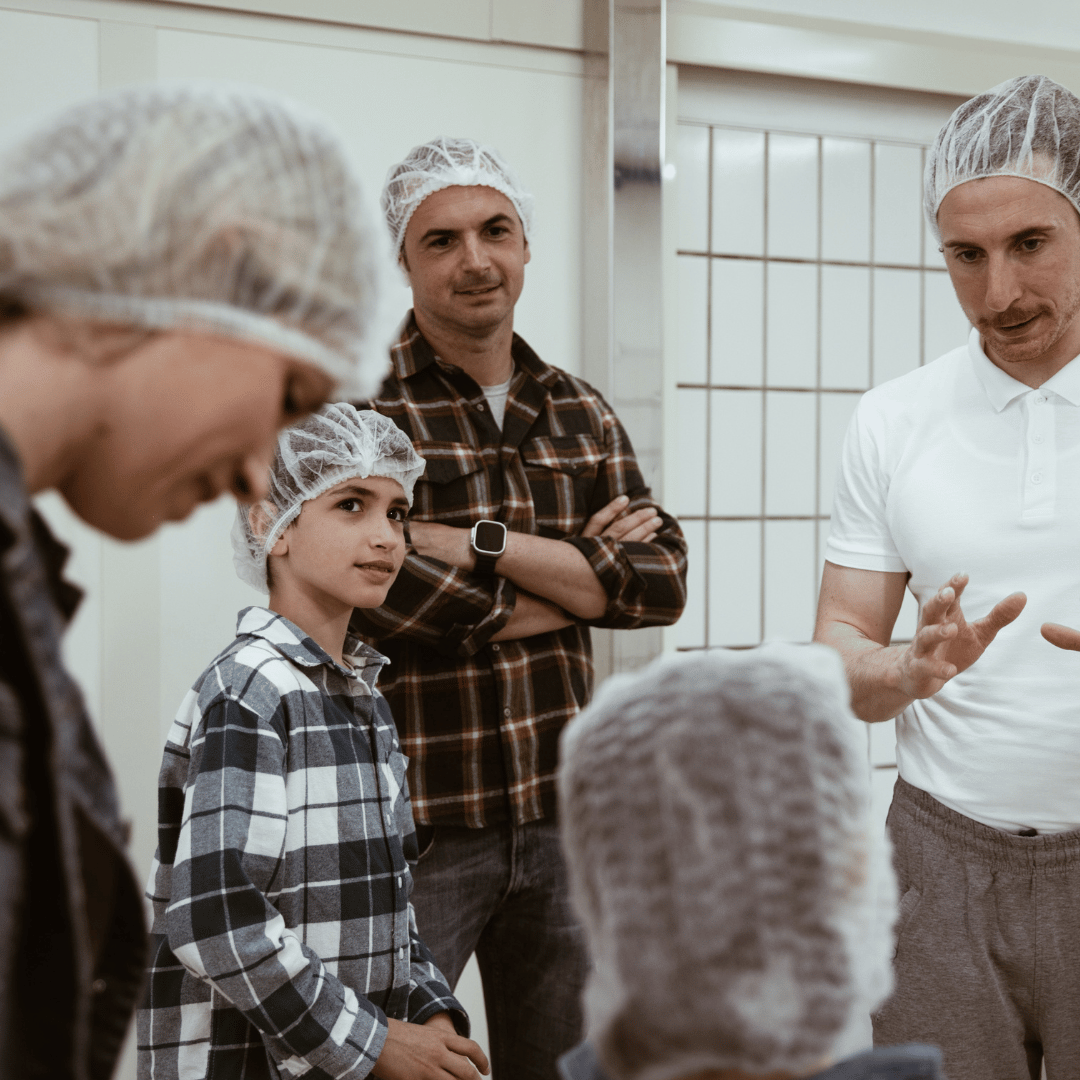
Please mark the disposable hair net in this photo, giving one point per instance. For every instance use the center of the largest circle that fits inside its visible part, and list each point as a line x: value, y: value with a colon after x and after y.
x: 714, y: 810
x: 1027, y: 127
x: 202, y: 207
x: 337, y: 443
x: 444, y: 163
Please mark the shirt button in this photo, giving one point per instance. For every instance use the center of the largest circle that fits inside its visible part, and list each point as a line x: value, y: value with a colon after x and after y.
x: 99, y: 986
x: 480, y: 407
x: 506, y: 712
x: 401, y: 954
x: 1039, y: 399
x: 1037, y: 478
x: 1036, y: 438
x: 495, y: 648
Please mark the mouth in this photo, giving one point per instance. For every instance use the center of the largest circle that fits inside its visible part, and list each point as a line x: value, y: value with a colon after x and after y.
x: 1018, y: 326
x: 378, y: 566
x: 482, y: 290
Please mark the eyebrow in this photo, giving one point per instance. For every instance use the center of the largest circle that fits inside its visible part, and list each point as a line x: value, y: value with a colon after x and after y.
x: 1017, y: 237
x: 497, y: 219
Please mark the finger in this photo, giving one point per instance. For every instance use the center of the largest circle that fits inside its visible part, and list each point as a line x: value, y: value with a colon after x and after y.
x: 468, y: 1054
x: 1064, y: 637
x: 958, y: 583
x: 618, y: 530
x: 937, y: 607
x: 929, y: 638
x: 645, y: 531
x: 1002, y: 613
x: 605, y: 516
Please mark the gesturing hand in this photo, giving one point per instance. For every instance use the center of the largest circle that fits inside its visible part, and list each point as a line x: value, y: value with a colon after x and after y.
x: 429, y: 1051
x: 613, y: 522
x: 946, y: 643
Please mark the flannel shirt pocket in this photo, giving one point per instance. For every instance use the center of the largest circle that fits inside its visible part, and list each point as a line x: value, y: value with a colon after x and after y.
x: 561, y: 472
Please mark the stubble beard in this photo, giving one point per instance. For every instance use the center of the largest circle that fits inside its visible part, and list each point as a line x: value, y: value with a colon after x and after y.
x: 1021, y: 351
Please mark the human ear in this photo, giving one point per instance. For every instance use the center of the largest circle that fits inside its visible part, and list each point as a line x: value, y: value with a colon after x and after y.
x: 528, y: 253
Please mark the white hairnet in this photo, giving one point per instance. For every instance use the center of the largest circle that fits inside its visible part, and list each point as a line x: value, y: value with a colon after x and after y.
x: 444, y: 163
x: 337, y: 443
x: 1027, y: 127
x: 714, y: 811
x: 202, y: 207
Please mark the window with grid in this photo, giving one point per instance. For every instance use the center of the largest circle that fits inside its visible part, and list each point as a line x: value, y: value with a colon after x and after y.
x: 806, y: 276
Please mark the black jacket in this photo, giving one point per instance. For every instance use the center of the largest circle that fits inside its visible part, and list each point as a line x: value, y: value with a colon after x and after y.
x: 72, y: 936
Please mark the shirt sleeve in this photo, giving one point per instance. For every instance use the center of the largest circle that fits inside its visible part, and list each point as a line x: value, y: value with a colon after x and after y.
x: 452, y: 611
x: 859, y: 534
x: 645, y: 583
x: 225, y: 931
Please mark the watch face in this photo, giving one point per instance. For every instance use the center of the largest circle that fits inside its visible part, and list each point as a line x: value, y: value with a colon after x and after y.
x: 490, y: 537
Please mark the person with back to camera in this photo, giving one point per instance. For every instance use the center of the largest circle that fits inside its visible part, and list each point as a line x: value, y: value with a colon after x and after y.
x: 532, y: 522
x: 283, y: 940
x: 183, y: 271
x: 715, y: 814
x: 972, y: 463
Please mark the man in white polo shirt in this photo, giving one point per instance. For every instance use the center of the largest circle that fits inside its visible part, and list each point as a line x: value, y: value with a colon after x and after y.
x: 972, y: 464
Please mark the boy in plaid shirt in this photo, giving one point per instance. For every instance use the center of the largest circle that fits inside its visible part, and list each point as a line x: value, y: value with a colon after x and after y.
x: 283, y: 940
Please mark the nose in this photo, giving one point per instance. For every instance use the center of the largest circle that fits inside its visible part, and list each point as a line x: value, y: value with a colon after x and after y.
x: 1003, y: 287
x: 250, y: 481
x: 386, y: 536
x: 474, y: 254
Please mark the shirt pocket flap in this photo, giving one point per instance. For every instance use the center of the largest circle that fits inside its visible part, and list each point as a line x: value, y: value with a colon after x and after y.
x: 448, y: 461
x: 573, y: 454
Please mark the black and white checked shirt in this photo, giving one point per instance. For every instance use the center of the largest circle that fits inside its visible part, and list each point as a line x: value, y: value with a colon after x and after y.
x: 480, y: 720
x: 282, y: 933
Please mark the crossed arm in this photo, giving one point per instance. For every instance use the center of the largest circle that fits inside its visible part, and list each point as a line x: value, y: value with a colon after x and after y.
x: 553, y: 578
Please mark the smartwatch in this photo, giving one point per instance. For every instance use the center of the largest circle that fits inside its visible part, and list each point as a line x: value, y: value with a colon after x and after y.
x: 488, y: 541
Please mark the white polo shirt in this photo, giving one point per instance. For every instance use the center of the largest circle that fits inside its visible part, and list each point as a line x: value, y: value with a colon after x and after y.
x: 957, y: 467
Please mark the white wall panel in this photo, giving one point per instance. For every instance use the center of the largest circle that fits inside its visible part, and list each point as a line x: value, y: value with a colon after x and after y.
x: 46, y: 62
x: 385, y: 104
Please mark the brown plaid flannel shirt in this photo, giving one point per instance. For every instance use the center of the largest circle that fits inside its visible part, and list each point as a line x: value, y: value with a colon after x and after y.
x: 480, y: 720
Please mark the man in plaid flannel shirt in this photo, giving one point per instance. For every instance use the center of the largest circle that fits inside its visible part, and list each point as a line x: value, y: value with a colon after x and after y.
x: 283, y: 941
x: 488, y: 663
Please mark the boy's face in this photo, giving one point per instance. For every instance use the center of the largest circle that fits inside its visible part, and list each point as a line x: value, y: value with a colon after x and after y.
x: 347, y: 545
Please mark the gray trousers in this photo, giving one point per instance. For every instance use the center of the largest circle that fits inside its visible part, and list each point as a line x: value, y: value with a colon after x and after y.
x: 988, y: 944
x: 502, y: 892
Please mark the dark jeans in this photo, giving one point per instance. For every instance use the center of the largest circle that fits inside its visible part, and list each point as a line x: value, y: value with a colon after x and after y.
x: 501, y: 892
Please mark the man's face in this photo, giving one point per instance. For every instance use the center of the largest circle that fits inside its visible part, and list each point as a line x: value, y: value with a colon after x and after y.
x: 1012, y: 247
x: 346, y: 546
x: 465, y: 254
x: 188, y: 416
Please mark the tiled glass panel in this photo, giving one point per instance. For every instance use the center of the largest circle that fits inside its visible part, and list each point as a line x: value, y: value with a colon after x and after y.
x: 735, y: 454
x: 689, y: 631
x: 691, y: 436
x: 845, y: 327
x: 897, y: 203
x: 793, y: 196
x: 946, y: 324
x: 738, y: 192
x: 791, y: 333
x: 845, y: 200
x: 897, y: 345
x: 738, y: 291
x: 735, y: 582
x: 693, y: 318
x: 789, y: 453
x: 836, y: 410
x: 692, y: 165
x: 790, y: 583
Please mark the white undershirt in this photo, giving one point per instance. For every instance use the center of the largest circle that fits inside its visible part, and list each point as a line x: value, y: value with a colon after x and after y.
x: 959, y: 467
x: 496, y: 398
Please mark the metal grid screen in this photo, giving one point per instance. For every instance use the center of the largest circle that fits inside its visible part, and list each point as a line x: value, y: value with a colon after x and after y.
x: 806, y: 276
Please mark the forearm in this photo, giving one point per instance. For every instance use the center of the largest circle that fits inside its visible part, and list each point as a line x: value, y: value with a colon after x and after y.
x: 532, y: 616
x: 873, y: 671
x: 554, y: 571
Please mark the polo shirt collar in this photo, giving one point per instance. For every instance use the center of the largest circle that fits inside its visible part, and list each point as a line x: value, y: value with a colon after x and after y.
x: 1001, y: 388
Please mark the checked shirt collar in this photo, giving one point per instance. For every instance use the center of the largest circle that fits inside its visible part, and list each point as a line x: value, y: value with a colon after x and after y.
x: 287, y: 638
